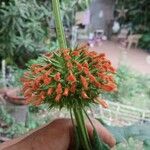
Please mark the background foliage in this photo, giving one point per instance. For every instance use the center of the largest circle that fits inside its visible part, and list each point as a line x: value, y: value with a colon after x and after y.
x: 34, y: 120
x: 138, y: 16
x: 133, y: 88
x: 25, y: 27
x: 23, y: 30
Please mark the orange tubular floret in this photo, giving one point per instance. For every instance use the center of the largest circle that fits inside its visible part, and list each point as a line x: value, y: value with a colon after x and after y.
x: 23, y: 79
x: 30, y: 99
x: 50, y: 91
x: 48, y: 72
x: 33, y: 98
x: 111, y: 69
x: 57, y: 76
x: 26, y: 74
x: 102, y: 102
x: 103, y: 76
x: 79, y: 67
x: 111, y: 78
x: 101, y: 55
x: 75, y: 53
x: 66, y: 92
x: 42, y: 95
x: 84, y: 82
x: 58, y: 97
x: 35, y: 86
x: 59, y: 89
x: 85, y: 64
x: 84, y: 95
x: 25, y: 88
x: 47, y: 80
x: 106, y: 67
x: 34, y: 66
x: 67, y: 57
x: 73, y: 88
x: 28, y: 93
x: 86, y: 71
x: 97, y: 84
x: 109, y: 87
x: 48, y: 65
x: 65, y: 51
x: 92, y: 78
x: 38, y: 80
x: 49, y: 55
x: 37, y: 70
x: 37, y: 102
x: 92, y: 54
x: 28, y: 84
x: 69, y: 65
x: 82, y: 47
x: 71, y: 78
x: 85, y: 52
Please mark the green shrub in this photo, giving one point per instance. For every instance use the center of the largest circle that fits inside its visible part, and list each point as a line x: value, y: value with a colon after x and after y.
x: 34, y: 120
x: 145, y: 42
x: 24, y: 30
x: 131, y: 144
x: 137, y: 14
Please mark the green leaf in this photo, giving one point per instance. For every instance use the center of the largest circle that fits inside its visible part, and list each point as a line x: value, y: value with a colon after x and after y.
x: 146, y: 144
x: 97, y: 143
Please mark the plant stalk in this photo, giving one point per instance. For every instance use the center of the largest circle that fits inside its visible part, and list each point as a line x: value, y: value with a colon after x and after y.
x: 59, y: 24
x: 81, y: 129
x: 82, y: 133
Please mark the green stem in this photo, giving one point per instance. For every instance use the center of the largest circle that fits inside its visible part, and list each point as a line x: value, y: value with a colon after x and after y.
x: 81, y: 128
x: 59, y: 24
x: 78, y: 113
x: 89, y: 119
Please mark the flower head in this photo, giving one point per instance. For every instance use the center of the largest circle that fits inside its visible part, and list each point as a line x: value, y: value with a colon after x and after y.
x: 66, y: 78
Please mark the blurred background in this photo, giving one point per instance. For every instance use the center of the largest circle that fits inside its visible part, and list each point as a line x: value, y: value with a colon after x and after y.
x: 119, y: 28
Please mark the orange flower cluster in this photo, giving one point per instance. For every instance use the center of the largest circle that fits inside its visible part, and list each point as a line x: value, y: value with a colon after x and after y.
x: 65, y: 75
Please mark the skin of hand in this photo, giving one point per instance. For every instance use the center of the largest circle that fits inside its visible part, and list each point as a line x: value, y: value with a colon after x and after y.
x: 57, y: 135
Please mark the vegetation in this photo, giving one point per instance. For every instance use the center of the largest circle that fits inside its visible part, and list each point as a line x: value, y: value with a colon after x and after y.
x: 24, y: 30
x: 133, y: 88
x: 137, y: 14
x: 25, y: 34
x: 131, y: 137
x: 25, y: 27
x: 12, y: 129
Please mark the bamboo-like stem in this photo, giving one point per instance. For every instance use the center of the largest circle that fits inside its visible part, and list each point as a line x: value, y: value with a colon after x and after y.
x: 82, y: 133
x: 4, y: 72
x: 81, y: 129
x: 59, y: 24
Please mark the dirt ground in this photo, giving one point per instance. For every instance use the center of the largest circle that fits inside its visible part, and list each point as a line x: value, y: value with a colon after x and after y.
x: 134, y: 57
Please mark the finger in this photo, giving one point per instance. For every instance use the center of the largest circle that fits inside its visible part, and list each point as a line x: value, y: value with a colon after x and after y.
x: 54, y: 136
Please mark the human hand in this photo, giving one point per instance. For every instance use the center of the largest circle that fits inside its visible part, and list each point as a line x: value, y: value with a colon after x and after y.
x: 58, y: 135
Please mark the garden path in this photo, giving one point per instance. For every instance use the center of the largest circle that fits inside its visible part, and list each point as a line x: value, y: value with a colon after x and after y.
x: 134, y: 57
